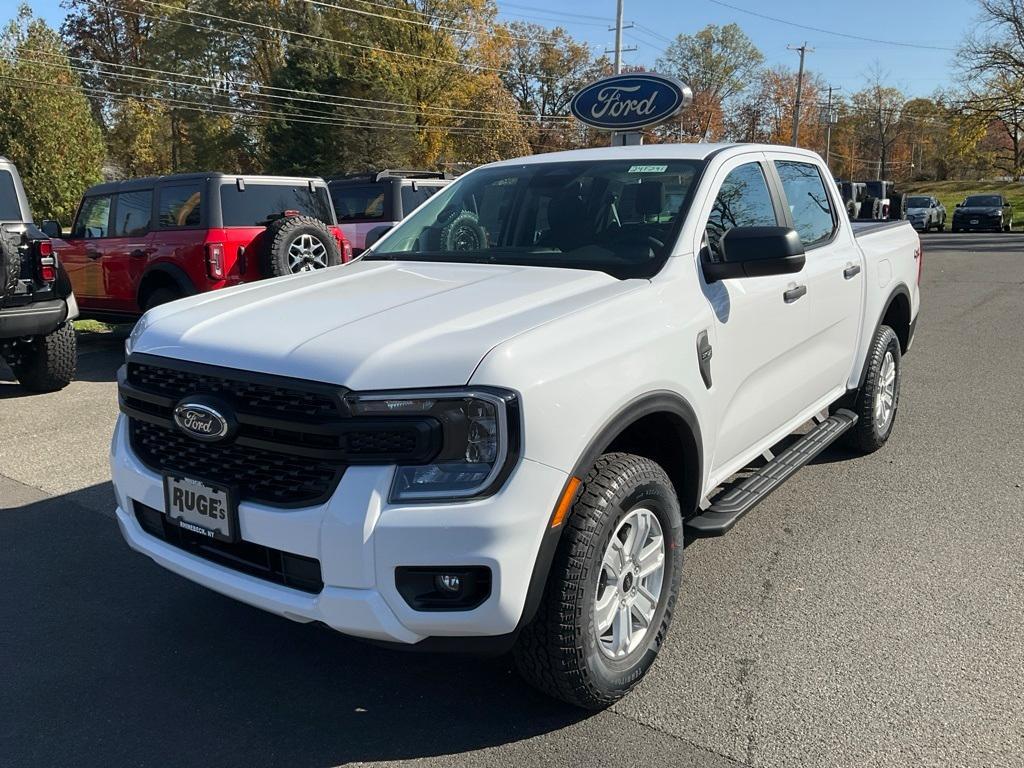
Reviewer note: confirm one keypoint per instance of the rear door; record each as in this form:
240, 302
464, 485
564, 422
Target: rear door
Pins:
833, 274
83, 252
759, 337
128, 249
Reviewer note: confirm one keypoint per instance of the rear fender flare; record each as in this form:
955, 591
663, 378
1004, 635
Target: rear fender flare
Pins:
163, 271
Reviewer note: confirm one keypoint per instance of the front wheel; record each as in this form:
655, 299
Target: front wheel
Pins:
879, 396
608, 602
46, 363
942, 225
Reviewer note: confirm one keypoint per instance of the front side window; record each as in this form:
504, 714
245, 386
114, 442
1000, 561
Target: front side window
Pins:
134, 211
360, 202
93, 218
615, 216
181, 206
809, 204
743, 201
256, 205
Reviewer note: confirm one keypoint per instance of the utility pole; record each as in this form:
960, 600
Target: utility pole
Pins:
619, 50
804, 50
829, 122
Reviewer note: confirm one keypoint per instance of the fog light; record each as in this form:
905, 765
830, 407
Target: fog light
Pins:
448, 582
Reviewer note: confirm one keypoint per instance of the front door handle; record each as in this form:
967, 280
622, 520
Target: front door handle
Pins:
141, 253
93, 254
793, 294
851, 272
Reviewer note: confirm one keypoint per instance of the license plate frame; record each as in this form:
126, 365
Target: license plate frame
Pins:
222, 527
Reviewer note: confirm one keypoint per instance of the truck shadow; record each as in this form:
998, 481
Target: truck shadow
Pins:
128, 663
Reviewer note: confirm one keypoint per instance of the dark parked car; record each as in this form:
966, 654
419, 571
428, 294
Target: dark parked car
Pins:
375, 202
139, 243
36, 302
990, 213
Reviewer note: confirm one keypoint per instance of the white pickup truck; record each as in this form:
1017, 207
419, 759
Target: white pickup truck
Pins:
496, 428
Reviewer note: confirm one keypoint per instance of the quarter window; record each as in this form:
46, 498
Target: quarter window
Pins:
809, 203
94, 218
180, 206
134, 210
743, 201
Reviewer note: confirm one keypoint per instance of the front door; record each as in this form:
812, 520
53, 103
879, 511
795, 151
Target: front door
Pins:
761, 324
83, 250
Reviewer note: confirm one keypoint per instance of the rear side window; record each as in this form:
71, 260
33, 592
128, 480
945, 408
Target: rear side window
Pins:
10, 208
414, 198
257, 204
362, 202
180, 206
93, 218
809, 203
743, 201
134, 210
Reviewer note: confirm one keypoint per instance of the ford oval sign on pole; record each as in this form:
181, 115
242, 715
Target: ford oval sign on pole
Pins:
629, 102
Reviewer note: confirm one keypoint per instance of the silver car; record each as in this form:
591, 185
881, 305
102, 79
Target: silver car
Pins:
925, 212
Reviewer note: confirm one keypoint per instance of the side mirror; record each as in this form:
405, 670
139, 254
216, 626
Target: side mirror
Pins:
757, 252
1006, 205
376, 234
51, 228
959, 205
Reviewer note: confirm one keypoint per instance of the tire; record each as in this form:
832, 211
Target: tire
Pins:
942, 225
10, 262
559, 651
464, 233
298, 244
872, 430
1009, 226
160, 296
47, 363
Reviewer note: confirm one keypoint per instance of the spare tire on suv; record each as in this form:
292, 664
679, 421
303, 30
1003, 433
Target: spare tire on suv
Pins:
298, 244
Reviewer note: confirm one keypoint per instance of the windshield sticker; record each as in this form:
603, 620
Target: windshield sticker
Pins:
648, 168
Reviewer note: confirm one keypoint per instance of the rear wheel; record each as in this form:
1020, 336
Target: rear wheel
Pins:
879, 396
46, 363
160, 296
608, 602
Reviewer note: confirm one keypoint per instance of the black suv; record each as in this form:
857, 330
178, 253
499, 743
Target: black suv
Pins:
36, 302
374, 202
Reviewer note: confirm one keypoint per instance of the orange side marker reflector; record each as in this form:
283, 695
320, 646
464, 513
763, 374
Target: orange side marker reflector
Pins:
565, 503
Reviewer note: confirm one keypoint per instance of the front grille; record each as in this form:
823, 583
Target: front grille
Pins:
292, 441
269, 477
295, 571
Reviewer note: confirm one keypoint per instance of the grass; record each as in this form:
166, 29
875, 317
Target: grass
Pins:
92, 326
950, 193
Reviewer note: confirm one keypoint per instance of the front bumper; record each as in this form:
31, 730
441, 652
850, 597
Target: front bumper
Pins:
978, 222
360, 540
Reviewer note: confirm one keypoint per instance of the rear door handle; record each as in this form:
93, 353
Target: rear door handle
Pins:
851, 272
793, 294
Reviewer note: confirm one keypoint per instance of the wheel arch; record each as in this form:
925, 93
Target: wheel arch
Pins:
673, 422
163, 275
895, 314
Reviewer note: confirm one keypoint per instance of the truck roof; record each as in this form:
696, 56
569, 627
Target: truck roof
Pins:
148, 181
695, 151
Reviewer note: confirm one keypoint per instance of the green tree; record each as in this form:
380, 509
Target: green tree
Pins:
46, 125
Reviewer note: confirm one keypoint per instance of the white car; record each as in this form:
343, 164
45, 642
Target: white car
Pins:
925, 213
492, 430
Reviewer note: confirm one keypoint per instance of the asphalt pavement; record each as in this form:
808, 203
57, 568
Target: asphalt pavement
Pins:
869, 613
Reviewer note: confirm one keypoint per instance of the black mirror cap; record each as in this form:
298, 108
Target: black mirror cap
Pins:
51, 228
376, 234
757, 252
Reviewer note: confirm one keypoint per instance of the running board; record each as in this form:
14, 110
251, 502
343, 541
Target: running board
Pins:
735, 502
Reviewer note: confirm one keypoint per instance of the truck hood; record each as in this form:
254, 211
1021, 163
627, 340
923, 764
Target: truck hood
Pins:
371, 325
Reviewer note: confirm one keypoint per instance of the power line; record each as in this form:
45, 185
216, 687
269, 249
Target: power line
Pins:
831, 32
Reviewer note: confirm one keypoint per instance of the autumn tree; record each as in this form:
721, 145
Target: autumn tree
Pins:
881, 109
46, 126
718, 63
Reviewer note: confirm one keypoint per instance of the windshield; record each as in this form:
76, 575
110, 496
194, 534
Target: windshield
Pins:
614, 216
983, 201
919, 202
256, 204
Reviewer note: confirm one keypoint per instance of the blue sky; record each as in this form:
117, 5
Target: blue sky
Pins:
841, 61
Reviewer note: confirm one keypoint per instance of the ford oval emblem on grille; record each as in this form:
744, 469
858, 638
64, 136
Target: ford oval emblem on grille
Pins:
201, 421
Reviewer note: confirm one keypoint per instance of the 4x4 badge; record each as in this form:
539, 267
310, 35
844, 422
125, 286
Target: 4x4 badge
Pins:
201, 421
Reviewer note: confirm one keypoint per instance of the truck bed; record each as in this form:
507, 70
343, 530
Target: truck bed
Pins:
870, 226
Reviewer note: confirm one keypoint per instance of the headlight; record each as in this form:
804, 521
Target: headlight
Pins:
133, 337
479, 440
